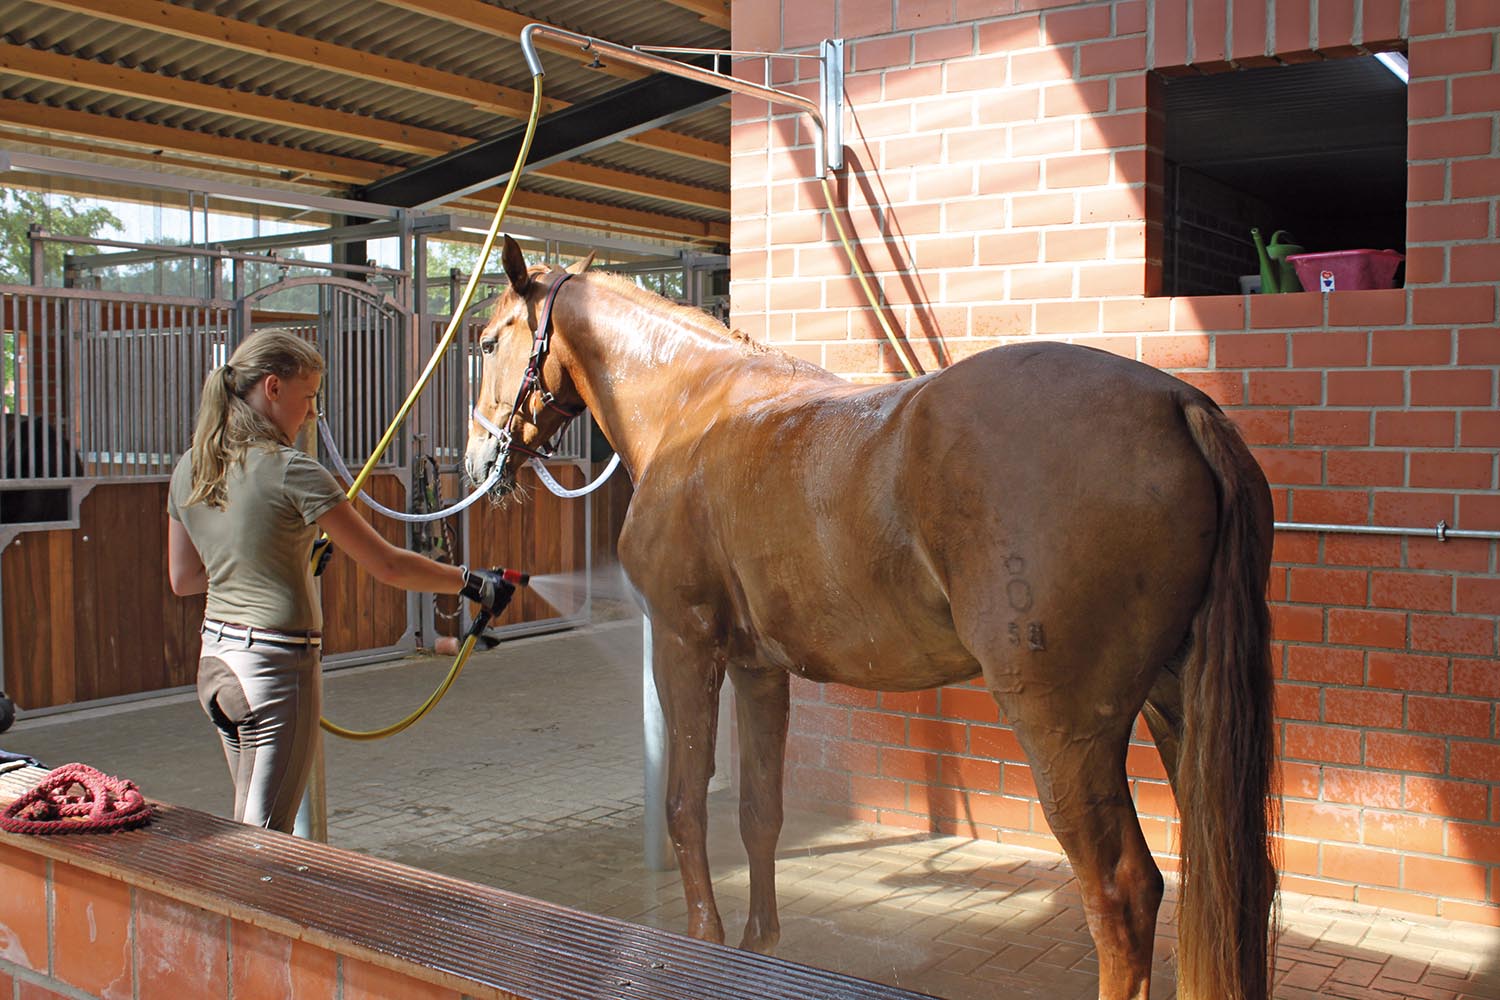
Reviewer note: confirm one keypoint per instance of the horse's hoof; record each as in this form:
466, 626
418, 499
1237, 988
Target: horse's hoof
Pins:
712, 932
761, 943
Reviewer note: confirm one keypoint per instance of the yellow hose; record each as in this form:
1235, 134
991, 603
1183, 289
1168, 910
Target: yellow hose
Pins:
864, 283
454, 323
423, 709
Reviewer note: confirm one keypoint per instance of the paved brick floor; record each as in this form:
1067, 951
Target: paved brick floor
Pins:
528, 776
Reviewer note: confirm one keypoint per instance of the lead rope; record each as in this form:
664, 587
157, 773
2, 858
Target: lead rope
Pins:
326, 436
101, 804
503, 436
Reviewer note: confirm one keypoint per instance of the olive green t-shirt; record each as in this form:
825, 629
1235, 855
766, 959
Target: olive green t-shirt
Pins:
256, 549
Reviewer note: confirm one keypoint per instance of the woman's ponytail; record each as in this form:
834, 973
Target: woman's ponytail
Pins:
228, 425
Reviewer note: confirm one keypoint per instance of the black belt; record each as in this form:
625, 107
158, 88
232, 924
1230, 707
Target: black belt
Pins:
251, 634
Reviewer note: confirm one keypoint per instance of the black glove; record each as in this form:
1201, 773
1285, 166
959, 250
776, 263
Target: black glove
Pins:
488, 589
322, 551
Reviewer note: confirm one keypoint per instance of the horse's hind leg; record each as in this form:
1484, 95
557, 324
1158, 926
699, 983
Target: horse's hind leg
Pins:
1081, 781
688, 679
762, 704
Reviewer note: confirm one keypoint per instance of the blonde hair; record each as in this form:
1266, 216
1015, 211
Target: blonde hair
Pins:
228, 426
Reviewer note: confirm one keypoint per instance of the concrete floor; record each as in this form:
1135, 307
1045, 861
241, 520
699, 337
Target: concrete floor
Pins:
529, 777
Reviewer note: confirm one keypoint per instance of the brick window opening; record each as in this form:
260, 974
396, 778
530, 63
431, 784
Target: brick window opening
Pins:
1316, 149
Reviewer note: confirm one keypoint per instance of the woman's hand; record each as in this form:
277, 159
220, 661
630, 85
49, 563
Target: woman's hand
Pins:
489, 589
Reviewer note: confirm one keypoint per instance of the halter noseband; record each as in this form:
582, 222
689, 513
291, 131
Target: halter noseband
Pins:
541, 342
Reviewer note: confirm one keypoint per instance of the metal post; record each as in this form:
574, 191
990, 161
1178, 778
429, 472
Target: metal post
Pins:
659, 855
37, 235
831, 102
312, 815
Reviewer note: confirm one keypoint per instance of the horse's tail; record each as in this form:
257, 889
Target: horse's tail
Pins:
1226, 781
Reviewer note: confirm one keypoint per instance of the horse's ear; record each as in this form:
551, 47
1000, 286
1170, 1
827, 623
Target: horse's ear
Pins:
579, 266
515, 266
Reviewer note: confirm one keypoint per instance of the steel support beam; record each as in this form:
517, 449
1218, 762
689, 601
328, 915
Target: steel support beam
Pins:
623, 112
160, 181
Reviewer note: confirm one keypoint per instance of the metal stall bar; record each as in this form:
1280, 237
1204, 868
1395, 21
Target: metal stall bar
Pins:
100, 260
1440, 531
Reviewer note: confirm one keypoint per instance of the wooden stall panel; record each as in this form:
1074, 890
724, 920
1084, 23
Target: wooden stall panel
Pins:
540, 534
89, 612
360, 612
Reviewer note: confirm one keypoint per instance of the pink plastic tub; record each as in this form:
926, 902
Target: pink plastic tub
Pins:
1344, 270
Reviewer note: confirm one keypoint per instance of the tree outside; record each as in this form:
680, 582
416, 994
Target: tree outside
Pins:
64, 216
67, 217
446, 256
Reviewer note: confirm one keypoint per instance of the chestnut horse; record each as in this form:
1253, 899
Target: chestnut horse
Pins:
1089, 534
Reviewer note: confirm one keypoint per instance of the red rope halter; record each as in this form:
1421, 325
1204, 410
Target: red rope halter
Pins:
75, 798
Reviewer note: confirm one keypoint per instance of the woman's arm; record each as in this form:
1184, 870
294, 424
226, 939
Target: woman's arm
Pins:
388, 563
185, 568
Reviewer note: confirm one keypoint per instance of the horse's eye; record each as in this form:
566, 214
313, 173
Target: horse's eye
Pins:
488, 345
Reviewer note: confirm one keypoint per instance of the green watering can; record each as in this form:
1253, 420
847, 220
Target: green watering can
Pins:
1276, 272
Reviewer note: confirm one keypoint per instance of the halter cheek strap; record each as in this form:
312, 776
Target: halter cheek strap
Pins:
540, 345
542, 339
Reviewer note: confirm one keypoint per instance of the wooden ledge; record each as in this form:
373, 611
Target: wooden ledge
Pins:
482, 941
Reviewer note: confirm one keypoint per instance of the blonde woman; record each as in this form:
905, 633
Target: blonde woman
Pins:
245, 506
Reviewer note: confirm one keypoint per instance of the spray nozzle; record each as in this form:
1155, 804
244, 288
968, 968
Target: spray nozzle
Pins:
515, 577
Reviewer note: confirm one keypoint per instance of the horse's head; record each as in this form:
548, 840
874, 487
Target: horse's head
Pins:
524, 392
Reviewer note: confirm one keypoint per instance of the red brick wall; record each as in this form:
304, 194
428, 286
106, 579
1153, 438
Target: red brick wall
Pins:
1002, 186
68, 932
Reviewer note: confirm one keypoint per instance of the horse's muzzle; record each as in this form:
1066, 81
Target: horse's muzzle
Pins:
479, 463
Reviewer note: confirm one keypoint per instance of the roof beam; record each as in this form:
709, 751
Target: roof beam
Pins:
305, 167
632, 108
479, 16
241, 36
94, 146
34, 64
575, 212
638, 184
662, 141
164, 181
608, 218
296, 162
149, 142
714, 12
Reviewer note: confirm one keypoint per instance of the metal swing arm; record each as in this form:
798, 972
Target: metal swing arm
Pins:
827, 115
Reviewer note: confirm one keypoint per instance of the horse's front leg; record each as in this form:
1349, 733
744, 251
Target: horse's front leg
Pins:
688, 677
761, 706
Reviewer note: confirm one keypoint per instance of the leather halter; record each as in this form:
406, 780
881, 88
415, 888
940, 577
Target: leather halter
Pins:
541, 342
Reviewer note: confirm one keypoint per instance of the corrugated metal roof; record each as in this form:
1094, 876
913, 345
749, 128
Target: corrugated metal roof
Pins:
138, 77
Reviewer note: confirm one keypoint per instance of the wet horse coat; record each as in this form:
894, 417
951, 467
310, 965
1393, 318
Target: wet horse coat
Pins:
1088, 534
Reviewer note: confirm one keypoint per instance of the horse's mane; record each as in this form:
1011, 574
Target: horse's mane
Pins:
689, 316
